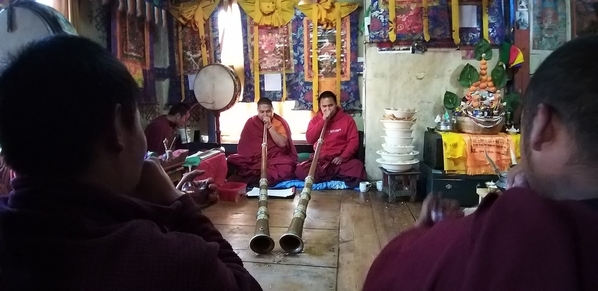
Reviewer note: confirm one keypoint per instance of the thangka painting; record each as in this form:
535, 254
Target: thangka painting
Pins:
190, 47
327, 57
409, 22
187, 55
549, 24
132, 43
585, 17
133, 40
297, 85
137, 73
275, 52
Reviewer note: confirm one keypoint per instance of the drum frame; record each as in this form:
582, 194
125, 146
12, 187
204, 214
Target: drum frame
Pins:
231, 103
50, 20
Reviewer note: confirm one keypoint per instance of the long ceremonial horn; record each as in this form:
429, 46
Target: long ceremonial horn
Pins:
261, 242
291, 241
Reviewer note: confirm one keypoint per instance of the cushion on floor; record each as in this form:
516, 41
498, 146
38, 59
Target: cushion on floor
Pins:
329, 185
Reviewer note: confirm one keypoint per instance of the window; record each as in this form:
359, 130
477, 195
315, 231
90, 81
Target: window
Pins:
233, 120
232, 54
46, 2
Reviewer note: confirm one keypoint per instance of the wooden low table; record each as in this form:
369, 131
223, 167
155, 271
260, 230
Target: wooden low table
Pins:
400, 184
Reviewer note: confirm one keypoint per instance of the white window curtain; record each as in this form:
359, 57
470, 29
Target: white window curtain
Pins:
231, 37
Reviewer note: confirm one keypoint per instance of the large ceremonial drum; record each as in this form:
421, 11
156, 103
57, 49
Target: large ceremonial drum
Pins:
25, 21
217, 87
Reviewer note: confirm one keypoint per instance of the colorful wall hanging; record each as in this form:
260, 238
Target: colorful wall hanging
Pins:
549, 24
297, 85
195, 15
327, 14
435, 21
327, 53
132, 43
268, 21
188, 54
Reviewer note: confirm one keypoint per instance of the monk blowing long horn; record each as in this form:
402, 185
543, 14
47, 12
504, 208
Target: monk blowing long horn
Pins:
291, 242
261, 242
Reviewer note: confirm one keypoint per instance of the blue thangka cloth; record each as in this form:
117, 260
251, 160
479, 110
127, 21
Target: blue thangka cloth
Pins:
330, 185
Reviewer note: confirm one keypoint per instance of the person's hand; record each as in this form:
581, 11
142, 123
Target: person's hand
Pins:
516, 178
154, 184
326, 114
266, 120
198, 189
337, 161
435, 208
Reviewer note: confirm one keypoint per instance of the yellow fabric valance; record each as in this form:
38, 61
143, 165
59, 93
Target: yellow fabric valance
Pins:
196, 14
269, 12
328, 14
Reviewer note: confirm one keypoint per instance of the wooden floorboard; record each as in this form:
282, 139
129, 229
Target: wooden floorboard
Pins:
359, 244
343, 233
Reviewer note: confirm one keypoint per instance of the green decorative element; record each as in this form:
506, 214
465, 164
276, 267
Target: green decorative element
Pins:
505, 52
451, 100
483, 50
468, 76
499, 75
512, 101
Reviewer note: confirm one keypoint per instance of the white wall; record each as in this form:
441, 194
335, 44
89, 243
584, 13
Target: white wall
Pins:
408, 81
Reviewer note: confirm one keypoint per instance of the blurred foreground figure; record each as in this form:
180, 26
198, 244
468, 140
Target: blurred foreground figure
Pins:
87, 212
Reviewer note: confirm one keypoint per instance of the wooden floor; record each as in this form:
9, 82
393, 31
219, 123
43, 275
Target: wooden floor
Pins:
343, 233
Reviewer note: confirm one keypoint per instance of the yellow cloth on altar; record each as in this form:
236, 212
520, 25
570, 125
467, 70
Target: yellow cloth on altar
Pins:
269, 12
464, 153
326, 15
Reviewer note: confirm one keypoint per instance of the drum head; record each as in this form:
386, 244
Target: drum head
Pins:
216, 87
30, 21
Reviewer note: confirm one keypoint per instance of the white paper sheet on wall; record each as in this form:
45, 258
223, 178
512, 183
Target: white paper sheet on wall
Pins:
468, 16
191, 80
272, 82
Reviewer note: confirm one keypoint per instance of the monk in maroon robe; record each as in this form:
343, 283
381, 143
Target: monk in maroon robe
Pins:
341, 142
542, 233
282, 155
164, 127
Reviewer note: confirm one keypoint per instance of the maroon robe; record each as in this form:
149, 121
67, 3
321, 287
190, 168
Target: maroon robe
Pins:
156, 131
341, 139
281, 161
518, 241
67, 236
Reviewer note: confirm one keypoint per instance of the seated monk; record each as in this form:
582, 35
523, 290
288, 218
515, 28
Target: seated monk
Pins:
542, 232
282, 155
341, 142
165, 127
